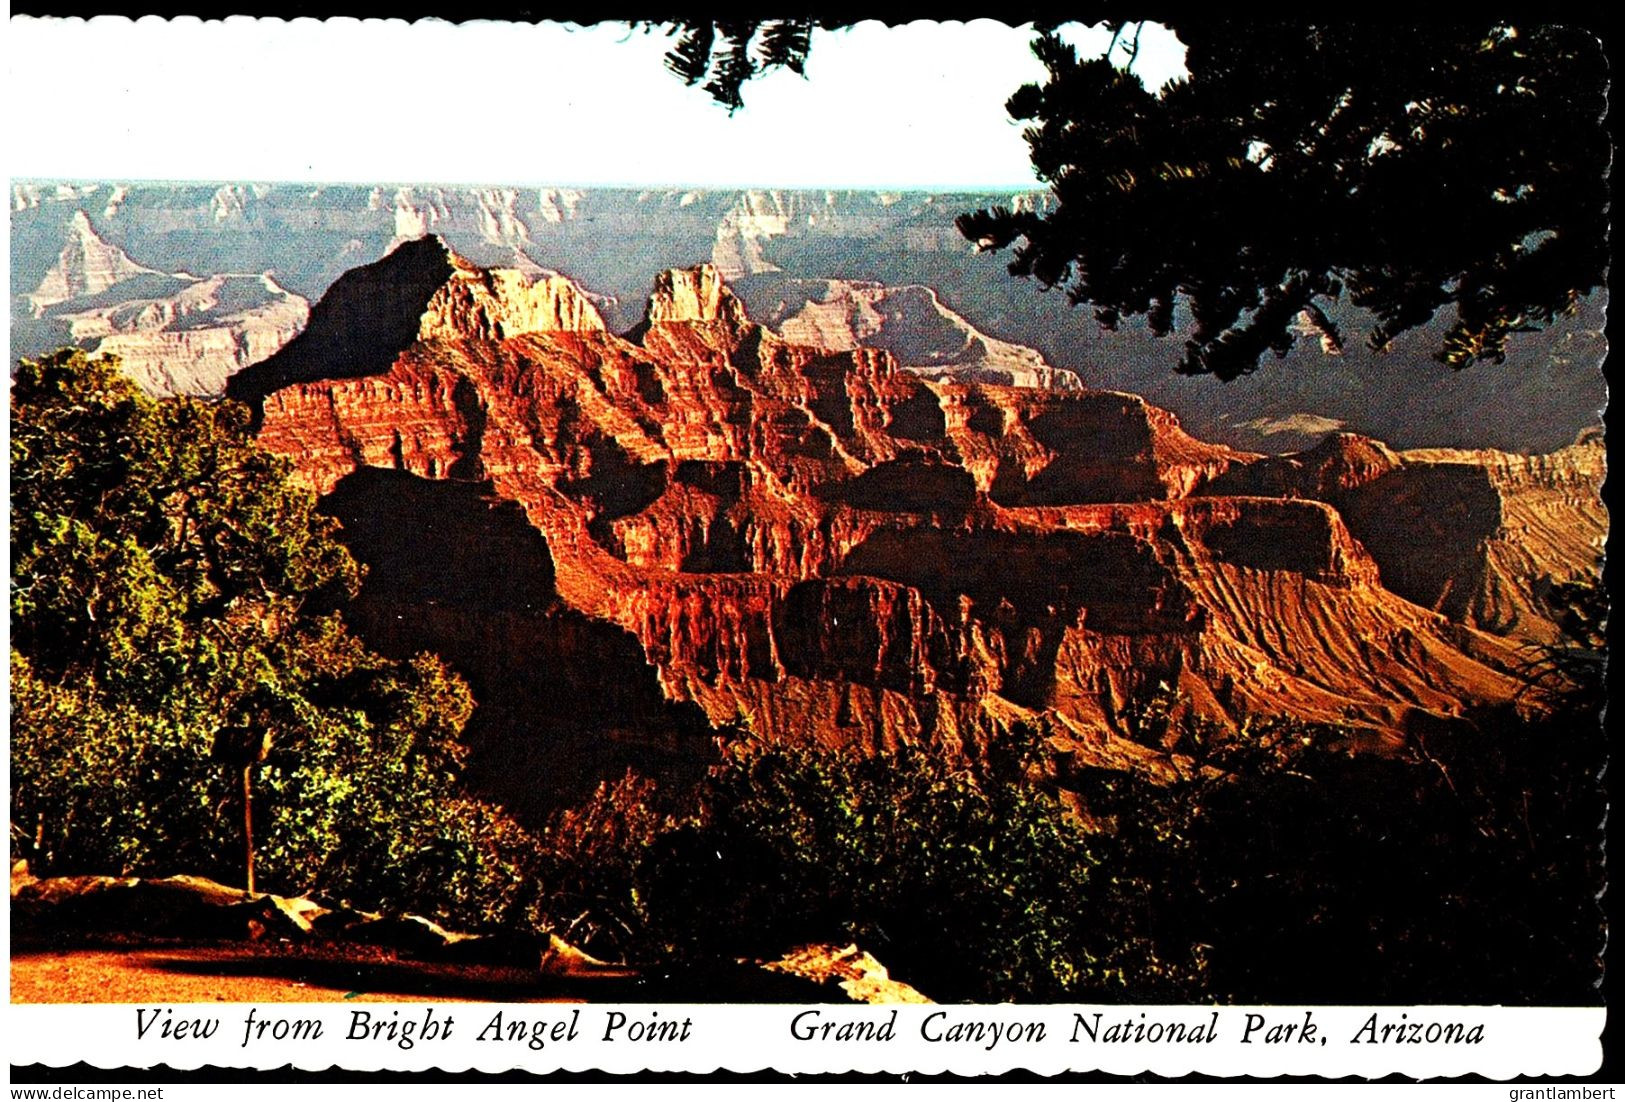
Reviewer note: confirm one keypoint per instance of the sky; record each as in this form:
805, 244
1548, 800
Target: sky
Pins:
918, 106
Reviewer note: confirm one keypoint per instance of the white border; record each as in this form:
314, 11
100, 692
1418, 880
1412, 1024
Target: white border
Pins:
1044, 1039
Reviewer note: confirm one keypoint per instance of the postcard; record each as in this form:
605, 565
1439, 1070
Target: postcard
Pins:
762, 546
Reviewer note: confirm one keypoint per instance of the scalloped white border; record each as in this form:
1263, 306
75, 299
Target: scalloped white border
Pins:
1516, 1041
359, 101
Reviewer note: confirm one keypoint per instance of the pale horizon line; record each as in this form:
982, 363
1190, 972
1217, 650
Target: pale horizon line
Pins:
911, 188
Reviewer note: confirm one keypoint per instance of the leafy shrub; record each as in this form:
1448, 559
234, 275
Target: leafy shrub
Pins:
588, 861
1462, 868
970, 887
172, 623
107, 788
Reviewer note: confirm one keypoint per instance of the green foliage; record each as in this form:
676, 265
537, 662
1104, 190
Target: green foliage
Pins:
152, 540
971, 888
1460, 165
105, 787
1463, 867
1408, 168
589, 861
171, 618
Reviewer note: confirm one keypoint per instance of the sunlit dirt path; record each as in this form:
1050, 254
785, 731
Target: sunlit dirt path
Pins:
259, 974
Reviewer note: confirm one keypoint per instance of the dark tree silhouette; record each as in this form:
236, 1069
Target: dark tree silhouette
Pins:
1408, 168
724, 54
1405, 169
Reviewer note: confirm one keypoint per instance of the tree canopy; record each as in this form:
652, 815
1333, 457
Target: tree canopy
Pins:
1410, 169
174, 599
1404, 169
153, 541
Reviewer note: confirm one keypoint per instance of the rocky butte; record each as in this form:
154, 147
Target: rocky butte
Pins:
174, 333
911, 322
815, 244
631, 543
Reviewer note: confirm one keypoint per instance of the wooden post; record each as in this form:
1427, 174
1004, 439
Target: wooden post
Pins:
248, 827
242, 741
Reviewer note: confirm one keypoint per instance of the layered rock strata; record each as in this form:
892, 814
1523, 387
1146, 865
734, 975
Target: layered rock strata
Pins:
191, 342
420, 292
724, 530
87, 266
911, 322
173, 333
1481, 536
1549, 389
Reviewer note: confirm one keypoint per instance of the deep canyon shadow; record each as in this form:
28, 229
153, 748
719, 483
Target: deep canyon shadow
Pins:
562, 701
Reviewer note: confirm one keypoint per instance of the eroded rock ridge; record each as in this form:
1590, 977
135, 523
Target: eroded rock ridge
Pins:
702, 526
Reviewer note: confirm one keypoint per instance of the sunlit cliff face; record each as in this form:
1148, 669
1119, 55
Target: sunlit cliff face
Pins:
716, 526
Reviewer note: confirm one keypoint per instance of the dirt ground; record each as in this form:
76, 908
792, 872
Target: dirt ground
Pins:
259, 973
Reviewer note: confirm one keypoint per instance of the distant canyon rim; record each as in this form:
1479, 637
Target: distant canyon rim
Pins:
648, 466
191, 282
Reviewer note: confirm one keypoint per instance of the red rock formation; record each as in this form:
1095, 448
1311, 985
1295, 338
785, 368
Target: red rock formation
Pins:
421, 291
821, 546
564, 699
1477, 535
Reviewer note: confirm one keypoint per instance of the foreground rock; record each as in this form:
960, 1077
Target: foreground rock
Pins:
68, 908
863, 978
59, 913
188, 907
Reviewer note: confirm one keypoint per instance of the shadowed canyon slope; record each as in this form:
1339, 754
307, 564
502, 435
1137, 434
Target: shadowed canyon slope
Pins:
627, 543
1479, 535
